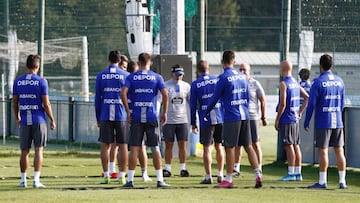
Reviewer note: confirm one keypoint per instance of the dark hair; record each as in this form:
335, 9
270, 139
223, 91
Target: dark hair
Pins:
144, 58
228, 57
304, 74
32, 61
131, 66
326, 62
115, 56
202, 66
123, 59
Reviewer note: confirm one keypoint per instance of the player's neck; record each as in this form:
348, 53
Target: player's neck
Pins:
144, 67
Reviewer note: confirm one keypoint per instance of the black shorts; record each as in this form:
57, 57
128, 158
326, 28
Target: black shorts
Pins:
325, 138
36, 133
236, 134
290, 134
139, 130
181, 131
254, 127
210, 134
113, 132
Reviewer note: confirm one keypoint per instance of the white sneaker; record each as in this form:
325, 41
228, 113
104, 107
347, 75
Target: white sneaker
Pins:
146, 179
38, 185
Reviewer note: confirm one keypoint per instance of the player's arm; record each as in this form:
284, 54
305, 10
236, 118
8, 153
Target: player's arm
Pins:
261, 95
48, 110
304, 95
282, 104
165, 104
311, 104
16, 109
193, 105
97, 100
215, 98
124, 99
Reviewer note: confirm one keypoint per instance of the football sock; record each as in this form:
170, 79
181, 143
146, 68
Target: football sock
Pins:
322, 178
208, 176
260, 167
131, 174
106, 173
182, 166
291, 170
37, 176
228, 178
159, 175
257, 173
221, 173
122, 174
168, 167
112, 168
144, 172
342, 175
297, 169
237, 167
23, 177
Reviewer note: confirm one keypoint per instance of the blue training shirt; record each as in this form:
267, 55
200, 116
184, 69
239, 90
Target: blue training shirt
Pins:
291, 113
201, 91
306, 85
143, 89
108, 104
327, 98
233, 90
29, 88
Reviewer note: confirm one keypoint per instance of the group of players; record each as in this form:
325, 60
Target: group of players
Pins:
229, 108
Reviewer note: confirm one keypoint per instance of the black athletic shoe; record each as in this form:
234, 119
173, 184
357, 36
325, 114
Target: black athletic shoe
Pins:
235, 173
166, 173
220, 179
206, 181
258, 183
162, 184
128, 184
184, 173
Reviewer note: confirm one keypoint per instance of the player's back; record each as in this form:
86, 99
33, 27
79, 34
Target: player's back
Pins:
29, 88
179, 93
143, 89
291, 113
203, 89
331, 92
108, 90
235, 95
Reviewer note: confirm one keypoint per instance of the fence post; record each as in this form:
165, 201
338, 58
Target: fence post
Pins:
71, 119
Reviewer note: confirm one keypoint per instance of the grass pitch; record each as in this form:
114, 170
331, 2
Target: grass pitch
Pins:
71, 174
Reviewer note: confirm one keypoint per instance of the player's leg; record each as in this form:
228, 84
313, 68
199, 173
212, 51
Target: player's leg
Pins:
298, 162
40, 135
217, 135
182, 134
206, 140
143, 159
337, 141
112, 160
238, 156
231, 133
106, 138
121, 138
25, 146
137, 131
153, 140
322, 140
286, 133
255, 136
169, 137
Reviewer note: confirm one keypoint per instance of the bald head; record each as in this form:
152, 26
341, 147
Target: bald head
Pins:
245, 68
285, 68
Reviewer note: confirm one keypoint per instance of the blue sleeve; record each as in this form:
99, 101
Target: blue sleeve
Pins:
215, 98
128, 81
44, 87
343, 97
161, 83
98, 98
15, 90
311, 104
193, 104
